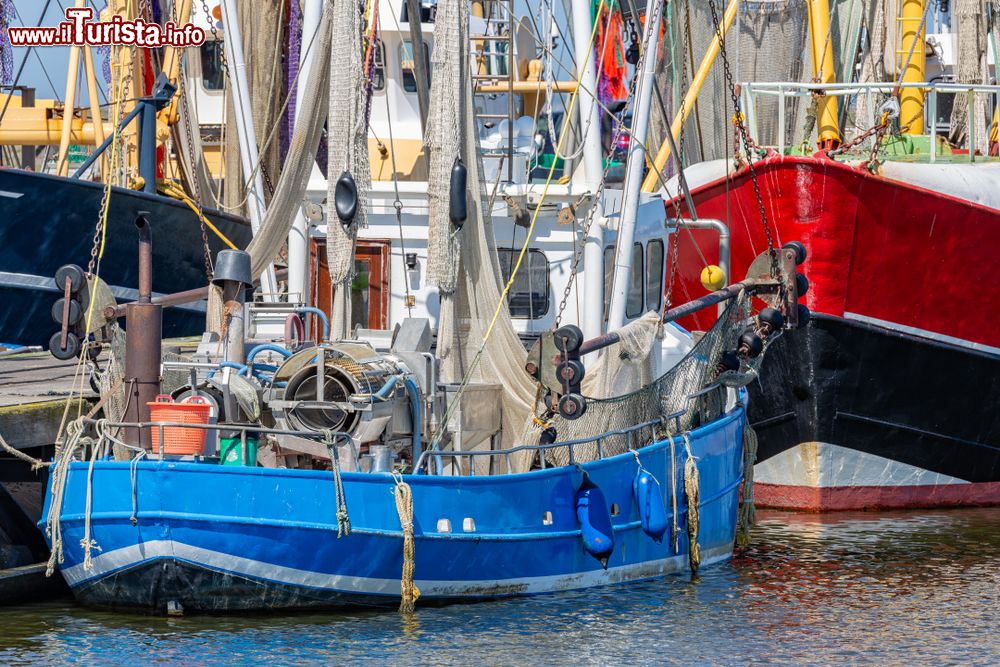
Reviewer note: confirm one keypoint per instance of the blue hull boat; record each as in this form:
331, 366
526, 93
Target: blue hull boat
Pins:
197, 536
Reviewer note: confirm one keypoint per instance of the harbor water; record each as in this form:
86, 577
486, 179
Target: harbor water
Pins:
892, 588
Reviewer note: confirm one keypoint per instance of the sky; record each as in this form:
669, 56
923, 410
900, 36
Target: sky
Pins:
47, 66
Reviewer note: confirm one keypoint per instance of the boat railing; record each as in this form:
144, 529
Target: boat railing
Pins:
333, 439
329, 438
786, 89
506, 455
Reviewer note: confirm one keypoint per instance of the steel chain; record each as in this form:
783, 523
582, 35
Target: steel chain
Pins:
745, 136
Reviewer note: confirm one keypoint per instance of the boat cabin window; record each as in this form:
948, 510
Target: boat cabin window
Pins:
529, 295
379, 66
654, 275
213, 74
407, 65
634, 301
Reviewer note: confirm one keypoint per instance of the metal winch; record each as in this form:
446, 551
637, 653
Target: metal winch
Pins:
362, 392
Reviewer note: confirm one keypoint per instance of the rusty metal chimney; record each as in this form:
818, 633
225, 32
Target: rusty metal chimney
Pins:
143, 335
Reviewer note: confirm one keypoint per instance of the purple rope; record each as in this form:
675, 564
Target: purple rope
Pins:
104, 54
7, 14
292, 70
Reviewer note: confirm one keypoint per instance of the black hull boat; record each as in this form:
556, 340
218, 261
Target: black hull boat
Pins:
47, 221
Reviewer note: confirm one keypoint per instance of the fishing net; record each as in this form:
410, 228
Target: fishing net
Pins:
676, 392
347, 140
766, 43
971, 67
291, 186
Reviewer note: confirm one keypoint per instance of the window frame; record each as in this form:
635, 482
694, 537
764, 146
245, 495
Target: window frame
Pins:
657, 289
506, 266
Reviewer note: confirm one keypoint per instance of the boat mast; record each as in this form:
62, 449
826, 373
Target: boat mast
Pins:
591, 171
912, 61
821, 42
249, 157
634, 170
298, 236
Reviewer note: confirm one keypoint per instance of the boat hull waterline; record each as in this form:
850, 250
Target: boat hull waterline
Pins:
214, 538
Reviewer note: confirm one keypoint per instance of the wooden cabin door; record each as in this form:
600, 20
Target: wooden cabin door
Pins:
369, 289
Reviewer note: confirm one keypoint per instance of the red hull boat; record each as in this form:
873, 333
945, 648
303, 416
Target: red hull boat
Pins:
890, 401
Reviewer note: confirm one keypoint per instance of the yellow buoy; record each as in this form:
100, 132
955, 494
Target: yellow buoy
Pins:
713, 278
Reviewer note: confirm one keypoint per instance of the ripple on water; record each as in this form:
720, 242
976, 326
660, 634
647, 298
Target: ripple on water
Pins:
898, 588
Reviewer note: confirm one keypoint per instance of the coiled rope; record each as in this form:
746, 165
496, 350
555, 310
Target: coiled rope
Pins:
747, 517
404, 507
692, 489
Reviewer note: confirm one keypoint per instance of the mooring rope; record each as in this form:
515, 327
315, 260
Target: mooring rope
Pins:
89, 543
343, 518
60, 472
404, 507
692, 489
674, 528
748, 514
17, 453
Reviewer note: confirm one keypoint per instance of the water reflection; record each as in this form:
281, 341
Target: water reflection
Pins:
861, 588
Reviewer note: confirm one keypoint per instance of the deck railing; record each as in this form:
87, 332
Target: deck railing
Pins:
786, 89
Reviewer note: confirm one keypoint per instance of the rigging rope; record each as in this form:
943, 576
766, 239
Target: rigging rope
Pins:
747, 516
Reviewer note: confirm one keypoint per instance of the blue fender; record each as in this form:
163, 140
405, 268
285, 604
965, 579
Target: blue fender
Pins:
595, 522
652, 513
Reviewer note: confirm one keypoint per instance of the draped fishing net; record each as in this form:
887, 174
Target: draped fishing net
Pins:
768, 42
291, 186
347, 142
676, 392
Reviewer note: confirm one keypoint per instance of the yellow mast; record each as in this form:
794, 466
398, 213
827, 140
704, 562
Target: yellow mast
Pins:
912, 59
820, 41
663, 154
69, 104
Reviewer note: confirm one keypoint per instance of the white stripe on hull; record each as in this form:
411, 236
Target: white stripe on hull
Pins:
126, 557
923, 333
820, 464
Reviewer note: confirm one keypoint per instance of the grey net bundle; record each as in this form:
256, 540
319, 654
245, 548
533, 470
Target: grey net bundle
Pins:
673, 393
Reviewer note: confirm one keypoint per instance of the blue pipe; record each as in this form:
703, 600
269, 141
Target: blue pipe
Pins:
390, 384
267, 347
229, 364
414, 392
322, 316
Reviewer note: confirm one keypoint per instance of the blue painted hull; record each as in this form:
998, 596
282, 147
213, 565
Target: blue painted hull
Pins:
216, 538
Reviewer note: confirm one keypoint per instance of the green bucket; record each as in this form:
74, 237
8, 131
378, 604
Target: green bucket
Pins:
231, 451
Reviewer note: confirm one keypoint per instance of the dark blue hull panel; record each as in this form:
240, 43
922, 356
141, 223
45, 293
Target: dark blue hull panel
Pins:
47, 221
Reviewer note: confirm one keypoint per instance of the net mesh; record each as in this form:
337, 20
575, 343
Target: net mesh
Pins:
347, 140
291, 186
670, 394
971, 67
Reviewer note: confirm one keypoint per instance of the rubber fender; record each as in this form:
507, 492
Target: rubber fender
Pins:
652, 513
345, 198
458, 208
595, 522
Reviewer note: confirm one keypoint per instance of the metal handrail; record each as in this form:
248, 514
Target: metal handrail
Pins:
506, 453
786, 89
330, 438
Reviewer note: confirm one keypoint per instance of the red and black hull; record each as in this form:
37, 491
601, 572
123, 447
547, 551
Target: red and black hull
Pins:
900, 365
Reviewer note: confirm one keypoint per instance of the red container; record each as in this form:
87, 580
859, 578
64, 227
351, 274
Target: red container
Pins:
178, 440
